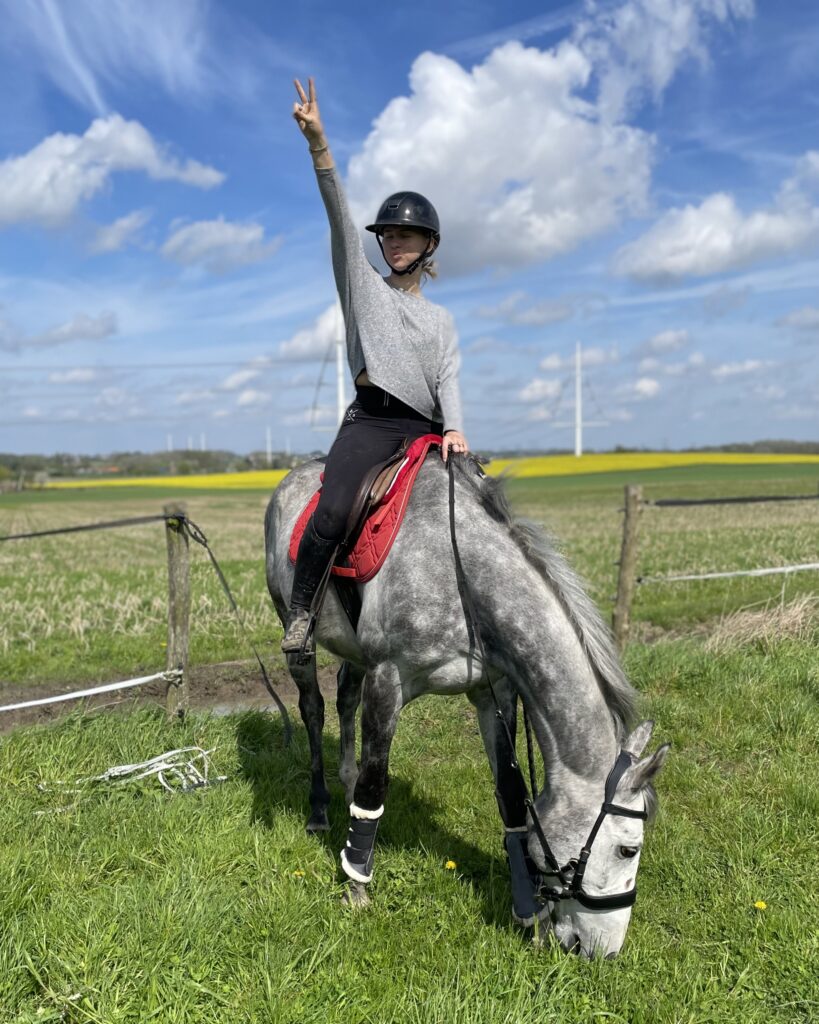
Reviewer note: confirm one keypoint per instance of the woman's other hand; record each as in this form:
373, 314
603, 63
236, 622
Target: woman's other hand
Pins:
455, 442
307, 114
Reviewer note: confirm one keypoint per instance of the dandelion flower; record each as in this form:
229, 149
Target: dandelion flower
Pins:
298, 874
450, 865
761, 905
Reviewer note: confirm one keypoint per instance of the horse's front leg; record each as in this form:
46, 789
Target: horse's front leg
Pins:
510, 793
348, 698
379, 718
311, 706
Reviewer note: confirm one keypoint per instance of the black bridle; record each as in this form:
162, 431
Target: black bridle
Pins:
570, 875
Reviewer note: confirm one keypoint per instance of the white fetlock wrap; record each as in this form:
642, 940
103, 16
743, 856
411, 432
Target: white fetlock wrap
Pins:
364, 815
518, 828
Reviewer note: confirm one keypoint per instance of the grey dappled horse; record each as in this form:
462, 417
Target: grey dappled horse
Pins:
544, 640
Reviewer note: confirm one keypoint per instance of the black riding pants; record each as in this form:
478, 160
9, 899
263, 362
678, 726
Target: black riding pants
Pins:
374, 427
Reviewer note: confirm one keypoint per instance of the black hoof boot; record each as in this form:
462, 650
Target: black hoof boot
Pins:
359, 850
527, 907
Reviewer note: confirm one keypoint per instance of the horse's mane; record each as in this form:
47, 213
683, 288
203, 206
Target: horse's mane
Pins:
539, 550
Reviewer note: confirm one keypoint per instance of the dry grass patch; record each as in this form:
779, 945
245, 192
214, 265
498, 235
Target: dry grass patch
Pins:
765, 627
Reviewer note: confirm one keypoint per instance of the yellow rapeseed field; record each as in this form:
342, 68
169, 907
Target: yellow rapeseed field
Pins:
542, 465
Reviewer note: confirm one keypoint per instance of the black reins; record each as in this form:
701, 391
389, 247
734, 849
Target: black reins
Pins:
570, 875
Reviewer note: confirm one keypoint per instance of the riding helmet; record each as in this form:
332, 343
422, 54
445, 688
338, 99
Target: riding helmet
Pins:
408, 210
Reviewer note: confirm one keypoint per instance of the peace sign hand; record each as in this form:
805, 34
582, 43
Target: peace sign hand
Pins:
307, 114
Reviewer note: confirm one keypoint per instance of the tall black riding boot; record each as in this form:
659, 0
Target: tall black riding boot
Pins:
314, 557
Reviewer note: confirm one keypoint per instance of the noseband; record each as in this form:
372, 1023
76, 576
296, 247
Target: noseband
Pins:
570, 876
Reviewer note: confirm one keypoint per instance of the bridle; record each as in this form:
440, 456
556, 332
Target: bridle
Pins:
570, 875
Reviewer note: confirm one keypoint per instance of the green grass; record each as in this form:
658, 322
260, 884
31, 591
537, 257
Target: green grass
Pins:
128, 905
132, 904
92, 606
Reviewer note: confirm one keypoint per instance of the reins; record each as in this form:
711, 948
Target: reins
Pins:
570, 875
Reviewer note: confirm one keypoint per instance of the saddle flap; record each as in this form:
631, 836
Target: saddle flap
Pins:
372, 489
380, 504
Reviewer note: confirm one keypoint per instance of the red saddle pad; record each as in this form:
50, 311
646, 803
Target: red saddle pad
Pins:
382, 524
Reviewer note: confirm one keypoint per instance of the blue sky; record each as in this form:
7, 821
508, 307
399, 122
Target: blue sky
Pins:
641, 177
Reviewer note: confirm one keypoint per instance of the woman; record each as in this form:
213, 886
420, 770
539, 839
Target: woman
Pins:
402, 350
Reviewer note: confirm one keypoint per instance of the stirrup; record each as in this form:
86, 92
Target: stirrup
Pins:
299, 636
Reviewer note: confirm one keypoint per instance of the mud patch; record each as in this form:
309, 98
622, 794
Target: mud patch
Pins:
226, 688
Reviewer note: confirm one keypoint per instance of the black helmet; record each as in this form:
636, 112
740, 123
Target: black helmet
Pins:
409, 210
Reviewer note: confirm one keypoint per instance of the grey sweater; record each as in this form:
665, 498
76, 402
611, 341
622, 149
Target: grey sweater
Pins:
407, 344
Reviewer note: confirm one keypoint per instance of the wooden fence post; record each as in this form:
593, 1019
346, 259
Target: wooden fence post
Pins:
179, 610
628, 565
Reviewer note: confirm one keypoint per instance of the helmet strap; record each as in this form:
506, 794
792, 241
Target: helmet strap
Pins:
425, 255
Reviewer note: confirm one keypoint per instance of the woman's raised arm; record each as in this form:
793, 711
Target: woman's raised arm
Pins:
308, 119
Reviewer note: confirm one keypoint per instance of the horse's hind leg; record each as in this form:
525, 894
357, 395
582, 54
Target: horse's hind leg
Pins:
311, 706
350, 678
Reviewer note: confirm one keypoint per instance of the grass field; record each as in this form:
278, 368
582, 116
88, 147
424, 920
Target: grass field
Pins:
93, 606
132, 904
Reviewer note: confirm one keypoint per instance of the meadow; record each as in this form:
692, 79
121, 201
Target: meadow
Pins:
132, 904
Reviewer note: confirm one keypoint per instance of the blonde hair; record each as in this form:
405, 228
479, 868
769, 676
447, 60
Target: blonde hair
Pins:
429, 270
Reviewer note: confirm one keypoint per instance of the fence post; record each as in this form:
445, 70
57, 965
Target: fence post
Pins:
179, 609
628, 565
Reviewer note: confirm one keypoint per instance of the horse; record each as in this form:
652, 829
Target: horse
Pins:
543, 641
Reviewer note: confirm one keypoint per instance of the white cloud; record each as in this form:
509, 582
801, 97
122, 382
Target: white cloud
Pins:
638, 46
193, 396
81, 327
314, 342
667, 341
544, 173
769, 392
219, 245
111, 237
238, 379
189, 48
591, 356
510, 311
540, 389
521, 159
805, 319
251, 397
47, 184
717, 236
78, 376
646, 387
742, 368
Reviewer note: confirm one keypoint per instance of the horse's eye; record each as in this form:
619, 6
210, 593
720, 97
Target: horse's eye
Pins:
628, 851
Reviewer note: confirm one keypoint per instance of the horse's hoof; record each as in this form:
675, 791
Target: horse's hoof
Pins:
355, 895
317, 823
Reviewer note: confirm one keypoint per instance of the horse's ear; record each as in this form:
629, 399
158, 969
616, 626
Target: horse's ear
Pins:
638, 740
641, 774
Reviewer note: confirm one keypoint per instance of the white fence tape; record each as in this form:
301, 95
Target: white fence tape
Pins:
170, 677
724, 575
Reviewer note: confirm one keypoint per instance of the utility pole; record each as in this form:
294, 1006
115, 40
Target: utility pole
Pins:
202, 442
578, 401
